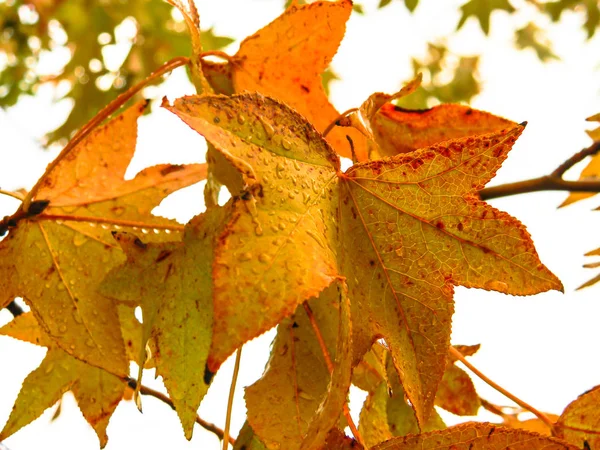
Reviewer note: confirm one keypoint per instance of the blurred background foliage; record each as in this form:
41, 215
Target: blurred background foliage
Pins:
88, 36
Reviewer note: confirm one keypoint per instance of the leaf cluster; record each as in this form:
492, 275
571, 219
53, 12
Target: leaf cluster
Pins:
355, 268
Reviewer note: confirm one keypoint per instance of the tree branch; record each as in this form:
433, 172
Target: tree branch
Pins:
552, 182
144, 390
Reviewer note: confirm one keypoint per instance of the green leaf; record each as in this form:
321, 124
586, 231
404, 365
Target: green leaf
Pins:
482, 10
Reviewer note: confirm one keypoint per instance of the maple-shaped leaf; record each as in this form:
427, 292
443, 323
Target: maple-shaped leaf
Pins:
398, 130
173, 283
592, 9
580, 421
476, 436
96, 391
285, 60
55, 258
591, 172
531, 36
482, 10
297, 401
402, 230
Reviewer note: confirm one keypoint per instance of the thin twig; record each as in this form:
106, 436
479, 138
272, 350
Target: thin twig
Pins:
218, 54
577, 157
540, 415
321, 341
12, 194
144, 390
236, 370
98, 118
552, 182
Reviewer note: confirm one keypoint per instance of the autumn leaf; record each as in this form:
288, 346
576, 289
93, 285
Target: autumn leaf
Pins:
475, 436
399, 130
402, 231
96, 391
285, 60
482, 10
580, 421
172, 281
56, 258
297, 401
247, 440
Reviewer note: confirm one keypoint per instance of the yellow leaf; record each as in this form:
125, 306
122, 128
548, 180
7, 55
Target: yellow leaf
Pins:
402, 230
580, 421
97, 392
297, 402
173, 282
55, 259
475, 436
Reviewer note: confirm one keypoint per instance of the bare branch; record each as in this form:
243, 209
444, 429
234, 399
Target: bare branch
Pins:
552, 182
144, 390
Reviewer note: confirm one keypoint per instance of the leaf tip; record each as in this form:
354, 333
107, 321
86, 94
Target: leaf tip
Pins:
523, 124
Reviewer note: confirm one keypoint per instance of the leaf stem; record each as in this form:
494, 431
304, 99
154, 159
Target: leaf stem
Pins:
321, 341
14, 308
552, 182
100, 117
540, 415
236, 370
12, 194
337, 120
218, 54
144, 390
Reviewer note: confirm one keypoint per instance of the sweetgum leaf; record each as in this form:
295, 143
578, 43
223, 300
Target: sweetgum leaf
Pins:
475, 436
276, 246
96, 391
285, 60
297, 401
402, 230
172, 280
580, 421
399, 130
56, 259
457, 394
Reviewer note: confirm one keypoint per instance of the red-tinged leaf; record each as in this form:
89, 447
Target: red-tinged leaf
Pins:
399, 130
476, 436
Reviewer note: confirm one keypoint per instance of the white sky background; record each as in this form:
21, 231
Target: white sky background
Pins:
542, 348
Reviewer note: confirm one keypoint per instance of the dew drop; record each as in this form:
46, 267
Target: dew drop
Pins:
62, 329
144, 230
241, 119
104, 226
49, 368
79, 239
287, 145
246, 256
399, 251
264, 258
77, 318
156, 231
89, 342
281, 226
